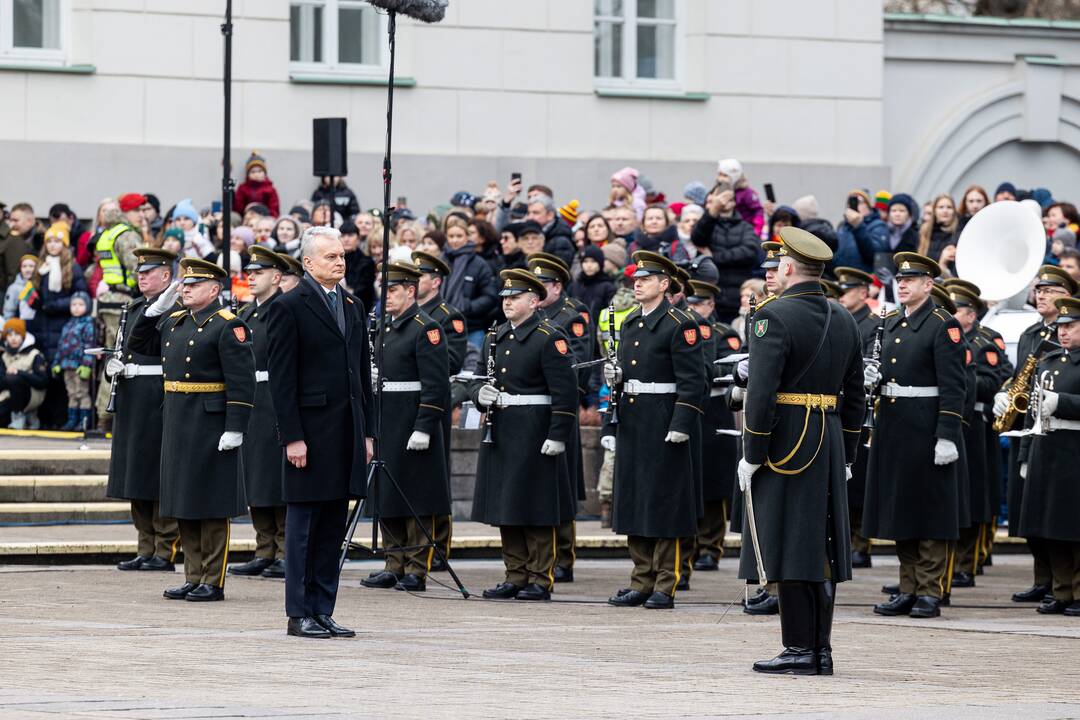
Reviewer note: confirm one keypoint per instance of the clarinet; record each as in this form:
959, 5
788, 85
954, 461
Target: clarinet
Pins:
489, 416
373, 338
118, 353
612, 358
875, 357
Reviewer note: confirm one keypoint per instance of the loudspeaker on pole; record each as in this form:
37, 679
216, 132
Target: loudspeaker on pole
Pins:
329, 153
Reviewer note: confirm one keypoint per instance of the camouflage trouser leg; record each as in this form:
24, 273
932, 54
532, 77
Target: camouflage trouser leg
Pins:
607, 477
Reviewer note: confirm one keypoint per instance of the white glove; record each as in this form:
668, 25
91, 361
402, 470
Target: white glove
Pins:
487, 396
871, 375
1001, 403
418, 441
945, 452
738, 394
674, 436
746, 471
612, 374
165, 301
1023, 470
374, 376
230, 440
1049, 403
847, 473
114, 367
608, 442
553, 447
743, 368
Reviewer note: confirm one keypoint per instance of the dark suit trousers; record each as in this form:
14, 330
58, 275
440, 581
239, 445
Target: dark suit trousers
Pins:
314, 532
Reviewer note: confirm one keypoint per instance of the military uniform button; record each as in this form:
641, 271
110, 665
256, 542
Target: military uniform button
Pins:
507, 352
633, 362
129, 354
190, 342
511, 336
897, 340
636, 343
631, 401
892, 400
200, 330
187, 375
166, 345
903, 324
187, 359
641, 324
894, 361
504, 370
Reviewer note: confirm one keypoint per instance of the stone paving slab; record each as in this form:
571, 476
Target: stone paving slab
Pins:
91, 642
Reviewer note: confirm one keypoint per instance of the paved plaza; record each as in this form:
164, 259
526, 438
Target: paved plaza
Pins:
92, 642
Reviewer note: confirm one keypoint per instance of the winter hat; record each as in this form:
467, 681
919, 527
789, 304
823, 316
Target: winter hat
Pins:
569, 212
732, 168
863, 194
908, 202
301, 212
627, 177
131, 201
80, 295
593, 253
28, 256
185, 208
646, 184
695, 192
1066, 236
615, 253
256, 160
678, 207
244, 233
175, 233
881, 200
60, 231
15, 325
1043, 196
462, 198
806, 206
152, 199
1005, 187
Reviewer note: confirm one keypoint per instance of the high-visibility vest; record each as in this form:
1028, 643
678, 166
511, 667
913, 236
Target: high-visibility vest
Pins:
112, 270
603, 329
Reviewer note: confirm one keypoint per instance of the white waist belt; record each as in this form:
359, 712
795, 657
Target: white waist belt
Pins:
981, 407
134, 370
1059, 424
637, 387
908, 391
506, 400
403, 386
262, 376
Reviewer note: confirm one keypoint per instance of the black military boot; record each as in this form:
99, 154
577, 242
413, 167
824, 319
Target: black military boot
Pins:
899, 604
824, 601
1035, 593
963, 579
797, 629
706, 563
158, 564
383, 579
135, 563
767, 605
859, 559
255, 566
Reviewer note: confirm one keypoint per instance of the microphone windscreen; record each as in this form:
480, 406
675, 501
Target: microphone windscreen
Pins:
429, 11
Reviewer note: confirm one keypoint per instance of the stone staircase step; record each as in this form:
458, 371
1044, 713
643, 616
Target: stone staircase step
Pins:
52, 488
54, 462
65, 512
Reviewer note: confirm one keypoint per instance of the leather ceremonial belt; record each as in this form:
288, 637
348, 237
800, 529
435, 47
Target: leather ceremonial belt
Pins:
135, 370
808, 400
401, 386
178, 386
1060, 424
812, 402
262, 376
892, 390
507, 400
637, 387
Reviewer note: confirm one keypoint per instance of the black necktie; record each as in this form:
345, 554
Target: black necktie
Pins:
332, 297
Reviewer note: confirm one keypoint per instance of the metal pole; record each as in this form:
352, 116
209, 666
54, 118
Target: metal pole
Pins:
226, 161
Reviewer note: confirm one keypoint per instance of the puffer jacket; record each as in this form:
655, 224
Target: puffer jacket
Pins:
734, 247
856, 246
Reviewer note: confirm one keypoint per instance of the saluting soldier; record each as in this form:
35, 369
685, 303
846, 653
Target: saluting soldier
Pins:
293, 274
261, 449
1051, 284
414, 393
660, 377
719, 451
135, 461
804, 409
524, 482
854, 287
912, 483
209, 378
429, 296
565, 314
1051, 494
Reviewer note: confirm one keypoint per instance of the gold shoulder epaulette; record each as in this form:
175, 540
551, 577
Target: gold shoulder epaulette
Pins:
766, 301
416, 317
545, 328
942, 315
226, 314
442, 306
892, 313
178, 313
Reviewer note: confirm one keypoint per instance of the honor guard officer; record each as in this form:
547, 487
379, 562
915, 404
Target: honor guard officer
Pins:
1051, 494
261, 450
831, 289
524, 484
772, 261
804, 409
854, 290
135, 462
659, 376
294, 272
209, 378
1052, 284
573, 320
719, 447
414, 393
429, 297
912, 484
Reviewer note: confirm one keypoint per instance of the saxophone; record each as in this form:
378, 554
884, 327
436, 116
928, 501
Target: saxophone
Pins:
1019, 394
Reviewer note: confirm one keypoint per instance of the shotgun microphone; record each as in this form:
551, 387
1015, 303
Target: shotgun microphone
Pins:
429, 11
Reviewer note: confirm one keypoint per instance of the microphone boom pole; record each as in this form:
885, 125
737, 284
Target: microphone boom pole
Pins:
226, 161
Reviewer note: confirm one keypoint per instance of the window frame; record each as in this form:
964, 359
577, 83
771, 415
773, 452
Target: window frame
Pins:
41, 57
630, 23
330, 47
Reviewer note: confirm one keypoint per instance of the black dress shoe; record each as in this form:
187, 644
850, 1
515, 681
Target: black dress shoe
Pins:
133, 564
963, 579
660, 601
438, 565
156, 563
792, 661
564, 574
384, 579
251, 567
768, 606
307, 627
1052, 607
899, 604
533, 591
1073, 610
926, 607
706, 563
628, 598
275, 570
206, 593
179, 593
891, 589
1035, 593
988, 562
860, 559
683, 584
502, 591
758, 596
332, 627
411, 583
946, 600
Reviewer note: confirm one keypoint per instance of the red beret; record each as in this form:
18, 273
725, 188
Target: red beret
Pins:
131, 201
630, 270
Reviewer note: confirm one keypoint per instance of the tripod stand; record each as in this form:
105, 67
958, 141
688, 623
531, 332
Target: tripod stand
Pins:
378, 469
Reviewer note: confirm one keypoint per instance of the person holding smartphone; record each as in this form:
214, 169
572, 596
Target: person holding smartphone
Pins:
861, 234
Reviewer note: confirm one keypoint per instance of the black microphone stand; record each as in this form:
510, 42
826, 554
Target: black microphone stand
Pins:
377, 469
226, 162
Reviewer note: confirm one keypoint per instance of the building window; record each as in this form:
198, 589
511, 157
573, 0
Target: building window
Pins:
336, 36
634, 42
33, 31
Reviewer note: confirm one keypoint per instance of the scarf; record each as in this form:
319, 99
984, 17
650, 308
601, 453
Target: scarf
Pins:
51, 268
895, 233
459, 261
